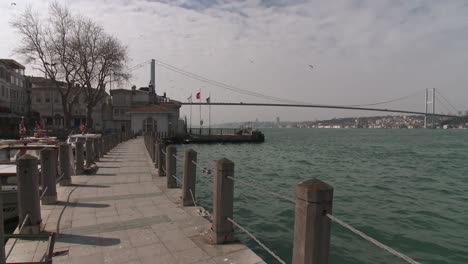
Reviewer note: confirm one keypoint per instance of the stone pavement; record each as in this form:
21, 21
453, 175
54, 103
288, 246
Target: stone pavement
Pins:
124, 214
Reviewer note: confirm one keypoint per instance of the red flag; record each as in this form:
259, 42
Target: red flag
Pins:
198, 95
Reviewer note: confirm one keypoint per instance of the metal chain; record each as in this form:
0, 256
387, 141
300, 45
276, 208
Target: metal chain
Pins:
256, 240
16, 239
373, 241
251, 185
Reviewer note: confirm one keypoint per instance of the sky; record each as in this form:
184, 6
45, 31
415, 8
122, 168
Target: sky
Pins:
361, 52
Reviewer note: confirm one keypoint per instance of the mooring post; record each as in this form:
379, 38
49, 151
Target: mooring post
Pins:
156, 151
96, 149
171, 166
312, 227
2, 234
49, 176
89, 152
79, 158
65, 170
161, 162
28, 194
223, 199
190, 174
101, 147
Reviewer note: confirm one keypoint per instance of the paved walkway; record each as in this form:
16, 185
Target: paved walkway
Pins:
124, 214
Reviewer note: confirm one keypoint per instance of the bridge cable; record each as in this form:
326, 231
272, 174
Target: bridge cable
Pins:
390, 101
221, 85
443, 97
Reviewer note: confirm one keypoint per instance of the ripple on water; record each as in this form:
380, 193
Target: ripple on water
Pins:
406, 188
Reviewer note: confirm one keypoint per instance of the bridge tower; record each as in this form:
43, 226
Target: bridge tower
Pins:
428, 103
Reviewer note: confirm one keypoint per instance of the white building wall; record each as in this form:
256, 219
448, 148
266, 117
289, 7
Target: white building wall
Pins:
160, 118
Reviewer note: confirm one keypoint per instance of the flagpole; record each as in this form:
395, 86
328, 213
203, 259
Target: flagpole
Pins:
190, 115
199, 100
209, 115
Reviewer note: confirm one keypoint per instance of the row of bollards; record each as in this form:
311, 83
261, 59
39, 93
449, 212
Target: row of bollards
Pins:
51, 173
314, 198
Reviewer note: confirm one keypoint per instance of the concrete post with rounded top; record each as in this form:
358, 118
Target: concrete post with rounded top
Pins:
89, 152
49, 176
28, 194
190, 174
155, 154
171, 166
96, 149
79, 158
2, 233
161, 162
223, 199
64, 158
311, 225
101, 147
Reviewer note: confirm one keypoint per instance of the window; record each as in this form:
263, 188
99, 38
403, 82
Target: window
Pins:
3, 91
38, 98
2, 73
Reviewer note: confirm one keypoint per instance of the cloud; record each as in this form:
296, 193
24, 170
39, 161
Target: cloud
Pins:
362, 50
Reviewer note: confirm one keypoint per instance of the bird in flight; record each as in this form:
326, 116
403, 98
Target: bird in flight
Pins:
311, 66
13, 4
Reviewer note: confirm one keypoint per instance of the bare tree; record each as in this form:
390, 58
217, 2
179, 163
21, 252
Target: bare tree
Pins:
71, 50
101, 57
46, 46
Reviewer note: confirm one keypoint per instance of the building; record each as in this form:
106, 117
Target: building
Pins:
134, 110
13, 87
14, 97
46, 104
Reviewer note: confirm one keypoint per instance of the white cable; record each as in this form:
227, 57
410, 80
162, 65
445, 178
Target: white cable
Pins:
204, 170
373, 241
256, 240
43, 192
176, 179
175, 156
261, 189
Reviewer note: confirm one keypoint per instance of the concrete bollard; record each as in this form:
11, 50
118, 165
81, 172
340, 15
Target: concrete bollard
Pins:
223, 199
28, 194
2, 233
190, 174
171, 166
96, 149
89, 152
101, 147
155, 153
65, 177
161, 160
79, 158
311, 225
49, 176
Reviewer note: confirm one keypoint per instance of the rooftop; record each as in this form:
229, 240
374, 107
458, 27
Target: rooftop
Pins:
12, 63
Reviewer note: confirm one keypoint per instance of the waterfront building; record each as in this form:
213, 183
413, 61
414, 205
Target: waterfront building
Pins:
14, 96
46, 104
135, 110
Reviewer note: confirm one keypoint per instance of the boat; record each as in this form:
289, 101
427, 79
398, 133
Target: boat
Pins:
10, 151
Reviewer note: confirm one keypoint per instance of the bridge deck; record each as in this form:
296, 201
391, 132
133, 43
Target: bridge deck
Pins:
124, 214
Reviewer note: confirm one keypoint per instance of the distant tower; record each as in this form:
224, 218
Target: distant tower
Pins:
277, 120
152, 88
429, 102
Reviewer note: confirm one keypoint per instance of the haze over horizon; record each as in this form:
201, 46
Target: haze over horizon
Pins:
361, 52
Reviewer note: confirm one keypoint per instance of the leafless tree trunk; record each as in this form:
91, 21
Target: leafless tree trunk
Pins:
46, 45
101, 58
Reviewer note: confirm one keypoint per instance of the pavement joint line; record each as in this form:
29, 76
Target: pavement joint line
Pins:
116, 226
117, 197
